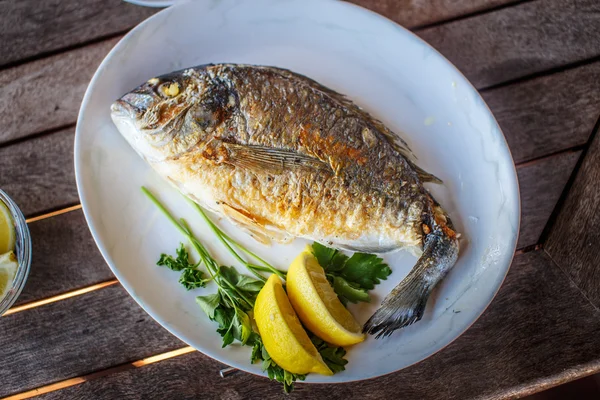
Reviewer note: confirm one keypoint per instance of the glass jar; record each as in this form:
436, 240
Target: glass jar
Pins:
22, 251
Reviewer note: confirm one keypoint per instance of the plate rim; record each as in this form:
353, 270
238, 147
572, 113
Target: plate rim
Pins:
152, 3
79, 165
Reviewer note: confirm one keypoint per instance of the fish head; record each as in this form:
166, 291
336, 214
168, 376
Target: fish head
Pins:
167, 115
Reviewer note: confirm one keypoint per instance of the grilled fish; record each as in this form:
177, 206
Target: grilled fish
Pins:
283, 156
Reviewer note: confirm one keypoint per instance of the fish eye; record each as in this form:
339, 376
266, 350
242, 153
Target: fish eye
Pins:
169, 89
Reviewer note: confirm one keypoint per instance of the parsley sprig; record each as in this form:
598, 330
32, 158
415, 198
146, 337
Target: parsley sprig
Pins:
234, 300
351, 277
231, 306
274, 371
332, 355
191, 277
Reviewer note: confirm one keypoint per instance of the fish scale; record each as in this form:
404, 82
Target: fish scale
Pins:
283, 156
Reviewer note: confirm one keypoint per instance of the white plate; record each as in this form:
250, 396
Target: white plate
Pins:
152, 3
382, 67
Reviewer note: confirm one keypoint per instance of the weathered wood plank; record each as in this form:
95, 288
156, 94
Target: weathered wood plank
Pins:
25, 33
512, 348
76, 336
66, 258
30, 27
541, 185
548, 114
538, 117
38, 174
416, 13
520, 40
537, 332
46, 94
574, 240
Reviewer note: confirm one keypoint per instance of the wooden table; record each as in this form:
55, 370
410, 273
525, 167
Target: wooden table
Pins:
76, 333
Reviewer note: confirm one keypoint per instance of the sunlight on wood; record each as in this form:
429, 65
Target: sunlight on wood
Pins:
53, 214
164, 356
95, 375
59, 297
46, 389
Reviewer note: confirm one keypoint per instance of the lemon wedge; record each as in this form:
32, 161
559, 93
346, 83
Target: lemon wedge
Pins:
282, 334
8, 270
317, 305
7, 231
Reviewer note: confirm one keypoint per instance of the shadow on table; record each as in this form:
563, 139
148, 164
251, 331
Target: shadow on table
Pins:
582, 389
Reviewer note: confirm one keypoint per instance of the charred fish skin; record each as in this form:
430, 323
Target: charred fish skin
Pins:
283, 156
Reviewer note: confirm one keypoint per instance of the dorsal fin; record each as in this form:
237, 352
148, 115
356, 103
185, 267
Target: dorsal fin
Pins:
394, 140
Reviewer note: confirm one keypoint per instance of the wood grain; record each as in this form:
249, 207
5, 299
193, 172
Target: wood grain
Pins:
540, 331
541, 184
65, 258
76, 336
574, 240
528, 338
33, 27
38, 174
520, 40
46, 94
415, 13
547, 114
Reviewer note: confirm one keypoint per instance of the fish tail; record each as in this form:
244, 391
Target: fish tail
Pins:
406, 303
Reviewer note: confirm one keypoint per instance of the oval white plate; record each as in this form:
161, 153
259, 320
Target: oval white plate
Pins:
152, 3
378, 64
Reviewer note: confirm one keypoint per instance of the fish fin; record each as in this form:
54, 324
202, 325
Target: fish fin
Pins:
397, 142
255, 228
277, 161
393, 139
246, 222
402, 147
423, 175
366, 248
406, 303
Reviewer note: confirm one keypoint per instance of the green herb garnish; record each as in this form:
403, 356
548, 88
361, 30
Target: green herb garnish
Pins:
274, 371
332, 355
176, 264
233, 324
229, 243
351, 277
230, 306
191, 277
235, 301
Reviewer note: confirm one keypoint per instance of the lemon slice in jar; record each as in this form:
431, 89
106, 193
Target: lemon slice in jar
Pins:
7, 230
8, 270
